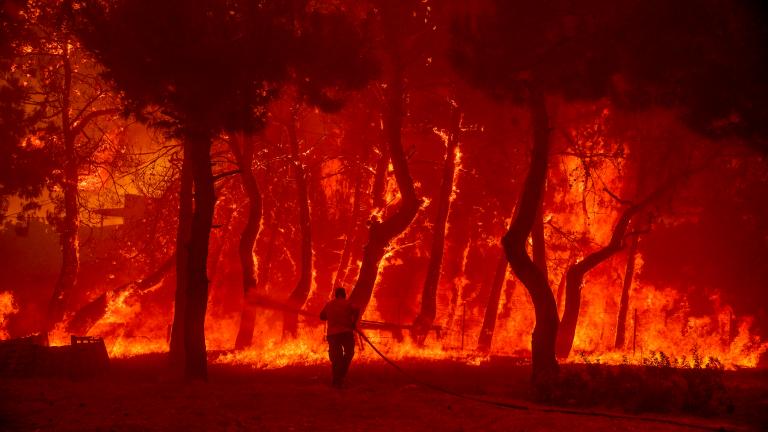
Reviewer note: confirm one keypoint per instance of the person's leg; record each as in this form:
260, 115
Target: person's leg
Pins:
336, 355
348, 344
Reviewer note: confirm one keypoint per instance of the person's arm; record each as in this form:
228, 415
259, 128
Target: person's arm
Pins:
324, 314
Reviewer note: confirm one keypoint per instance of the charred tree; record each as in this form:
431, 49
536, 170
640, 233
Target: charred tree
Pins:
196, 299
491, 311
544, 363
183, 234
426, 316
574, 278
243, 151
561, 288
300, 293
629, 274
381, 233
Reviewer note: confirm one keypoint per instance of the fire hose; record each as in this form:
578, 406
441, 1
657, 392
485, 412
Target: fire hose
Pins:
530, 408
265, 301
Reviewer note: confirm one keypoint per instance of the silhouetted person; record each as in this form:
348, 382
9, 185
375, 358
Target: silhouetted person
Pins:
341, 317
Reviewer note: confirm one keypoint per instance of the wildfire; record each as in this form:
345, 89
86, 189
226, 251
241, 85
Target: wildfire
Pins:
7, 307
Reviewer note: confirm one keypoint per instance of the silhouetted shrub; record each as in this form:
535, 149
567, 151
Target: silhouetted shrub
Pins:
654, 386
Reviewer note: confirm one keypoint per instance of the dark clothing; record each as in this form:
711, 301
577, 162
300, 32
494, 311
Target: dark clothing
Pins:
341, 349
341, 317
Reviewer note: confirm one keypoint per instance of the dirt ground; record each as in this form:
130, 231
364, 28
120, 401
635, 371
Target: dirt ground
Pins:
138, 395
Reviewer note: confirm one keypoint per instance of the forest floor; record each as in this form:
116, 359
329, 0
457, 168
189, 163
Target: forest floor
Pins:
138, 394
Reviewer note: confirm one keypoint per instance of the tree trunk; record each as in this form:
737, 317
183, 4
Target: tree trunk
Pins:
624, 303
491, 311
183, 235
574, 278
69, 237
426, 316
544, 363
380, 234
300, 293
538, 244
561, 287
380, 179
197, 289
346, 252
243, 152
265, 265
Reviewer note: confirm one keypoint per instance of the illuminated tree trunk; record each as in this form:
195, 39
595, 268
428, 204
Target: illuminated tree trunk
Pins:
70, 242
491, 311
183, 234
265, 265
462, 242
380, 234
243, 152
426, 316
346, 252
544, 363
561, 287
574, 278
300, 293
624, 303
538, 244
197, 289
380, 179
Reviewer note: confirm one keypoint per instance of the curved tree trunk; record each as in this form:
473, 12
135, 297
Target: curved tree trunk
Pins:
381, 233
491, 311
183, 234
574, 278
544, 363
242, 149
197, 289
426, 316
300, 293
621, 323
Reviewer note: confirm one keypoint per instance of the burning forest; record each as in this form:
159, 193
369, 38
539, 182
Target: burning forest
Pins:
525, 206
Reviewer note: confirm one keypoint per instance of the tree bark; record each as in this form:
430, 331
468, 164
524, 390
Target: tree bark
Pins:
426, 316
491, 311
197, 289
183, 235
380, 234
621, 323
300, 293
544, 363
69, 237
243, 152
